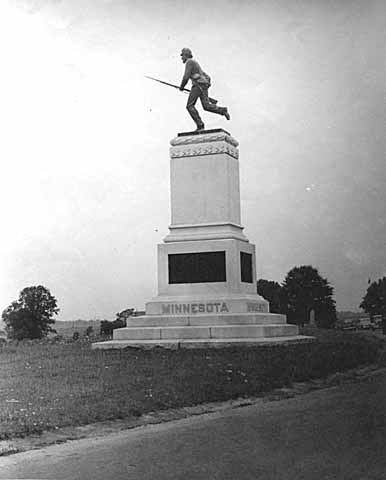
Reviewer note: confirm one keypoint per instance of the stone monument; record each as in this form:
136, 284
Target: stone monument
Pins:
206, 265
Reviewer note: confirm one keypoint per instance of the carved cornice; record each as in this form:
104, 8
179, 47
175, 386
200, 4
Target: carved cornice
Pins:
204, 149
205, 138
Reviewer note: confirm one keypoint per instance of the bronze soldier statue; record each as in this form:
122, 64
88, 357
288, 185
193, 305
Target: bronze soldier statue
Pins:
200, 86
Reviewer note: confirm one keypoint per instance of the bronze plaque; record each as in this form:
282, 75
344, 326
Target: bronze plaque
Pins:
202, 267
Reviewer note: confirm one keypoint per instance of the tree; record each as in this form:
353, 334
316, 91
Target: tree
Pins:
305, 290
272, 292
31, 315
107, 327
374, 302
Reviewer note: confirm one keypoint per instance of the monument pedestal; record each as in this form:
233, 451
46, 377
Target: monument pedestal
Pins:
206, 265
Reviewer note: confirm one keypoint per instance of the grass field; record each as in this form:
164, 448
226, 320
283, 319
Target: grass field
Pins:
45, 386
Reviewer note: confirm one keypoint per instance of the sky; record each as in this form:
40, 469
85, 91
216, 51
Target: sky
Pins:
84, 190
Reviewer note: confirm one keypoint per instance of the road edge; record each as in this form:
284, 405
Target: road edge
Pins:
105, 428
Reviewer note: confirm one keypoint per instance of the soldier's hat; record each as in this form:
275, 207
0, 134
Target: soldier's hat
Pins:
187, 52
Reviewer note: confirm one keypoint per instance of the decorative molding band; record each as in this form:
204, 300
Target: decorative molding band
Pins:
196, 151
211, 137
190, 237
211, 224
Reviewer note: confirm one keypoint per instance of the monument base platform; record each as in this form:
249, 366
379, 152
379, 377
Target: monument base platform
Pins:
203, 330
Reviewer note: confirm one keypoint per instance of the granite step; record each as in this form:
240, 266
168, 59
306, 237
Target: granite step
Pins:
204, 332
206, 320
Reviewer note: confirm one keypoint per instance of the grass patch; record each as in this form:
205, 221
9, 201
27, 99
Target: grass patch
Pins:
45, 386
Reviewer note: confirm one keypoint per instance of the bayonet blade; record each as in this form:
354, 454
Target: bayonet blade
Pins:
166, 83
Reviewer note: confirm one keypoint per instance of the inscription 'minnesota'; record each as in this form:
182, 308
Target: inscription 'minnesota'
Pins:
185, 308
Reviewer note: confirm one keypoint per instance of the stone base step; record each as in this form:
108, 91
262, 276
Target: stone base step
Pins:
208, 320
202, 343
204, 332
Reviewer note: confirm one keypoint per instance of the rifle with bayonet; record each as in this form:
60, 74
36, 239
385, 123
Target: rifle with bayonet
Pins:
212, 100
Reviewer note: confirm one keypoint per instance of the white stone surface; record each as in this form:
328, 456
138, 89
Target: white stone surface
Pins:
205, 190
140, 333
185, 332
252, 331
202, 320
241, 319
205, 231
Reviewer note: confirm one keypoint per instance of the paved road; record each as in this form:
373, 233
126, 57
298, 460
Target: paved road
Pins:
338, 433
